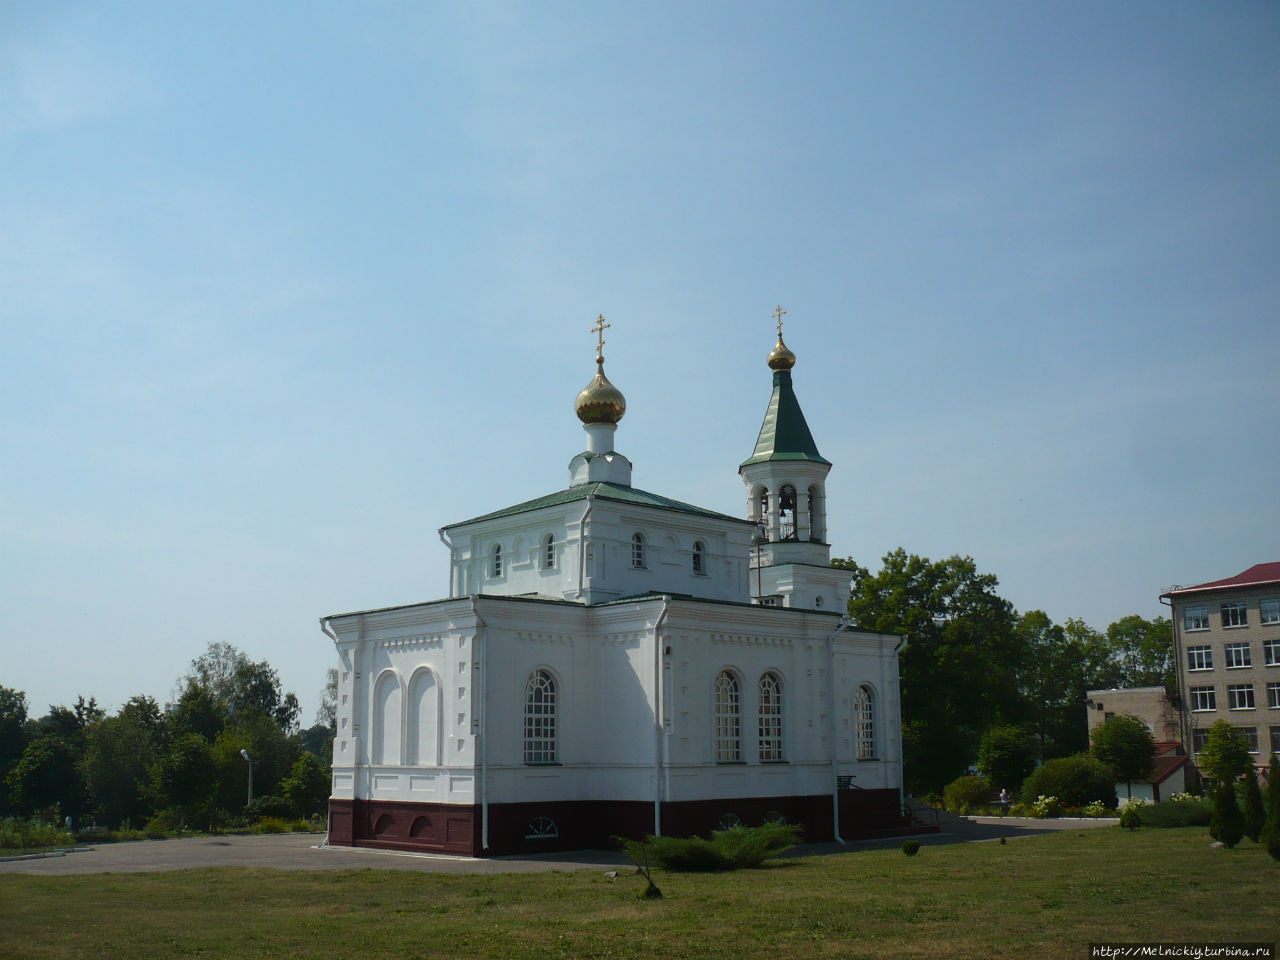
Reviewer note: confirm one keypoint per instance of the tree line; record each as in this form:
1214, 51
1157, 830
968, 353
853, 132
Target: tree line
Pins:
974, 665
180, 764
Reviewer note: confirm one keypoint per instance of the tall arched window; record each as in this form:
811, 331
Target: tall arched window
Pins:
637, 549
495, 567
549, 552
540, 718
763, 505
728, 724
787, 512
770, 693
864, 722
699, 557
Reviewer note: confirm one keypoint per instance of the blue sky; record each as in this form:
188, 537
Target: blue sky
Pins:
285, 288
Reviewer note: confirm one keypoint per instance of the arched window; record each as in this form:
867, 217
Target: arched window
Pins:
540, 718
787, 512
728, 725
699, 557
549, 552
764, 505
817, 531
770, 692
637, 549
864, 722
496, 566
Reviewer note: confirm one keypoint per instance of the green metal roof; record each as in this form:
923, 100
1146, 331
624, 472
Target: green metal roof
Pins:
784, 435
603, 491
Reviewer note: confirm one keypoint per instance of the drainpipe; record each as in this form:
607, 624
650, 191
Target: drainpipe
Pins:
831, 714
582, 543
658, 704
327, 630
481, 660
448, 544
902, 776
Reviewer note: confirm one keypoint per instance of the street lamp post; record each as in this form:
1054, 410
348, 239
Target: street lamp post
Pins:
249, 760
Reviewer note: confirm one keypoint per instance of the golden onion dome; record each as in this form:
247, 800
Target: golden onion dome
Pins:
600, 401
781, 358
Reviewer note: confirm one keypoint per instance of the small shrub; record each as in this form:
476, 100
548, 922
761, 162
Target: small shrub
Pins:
263, 807
1095, 809
965, 792
910, 847
731, 849
1043, 808
1130, 818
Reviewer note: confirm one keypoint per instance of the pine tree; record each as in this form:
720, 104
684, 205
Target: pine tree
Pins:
1271, 829
1253, 812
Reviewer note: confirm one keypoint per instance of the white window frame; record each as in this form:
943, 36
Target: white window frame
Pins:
727, 718
495, 562
1240, 696
1203, 699
1271, 653
1195, 618
769, 696
1238, 655
699, 558
864, 722
1273, 734
1250, 735
1198, 739
540, 706
549, 552
1235, 614
637, 551
1269, 610
1273, 695
1200, 658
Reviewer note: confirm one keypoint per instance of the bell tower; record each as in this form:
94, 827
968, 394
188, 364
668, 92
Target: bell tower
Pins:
787, 499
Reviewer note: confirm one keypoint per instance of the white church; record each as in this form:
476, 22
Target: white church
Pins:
609, 661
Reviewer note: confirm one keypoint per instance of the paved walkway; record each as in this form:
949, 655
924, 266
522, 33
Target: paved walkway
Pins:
302, 851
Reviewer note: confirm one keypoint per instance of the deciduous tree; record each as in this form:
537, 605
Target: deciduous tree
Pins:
1125, 744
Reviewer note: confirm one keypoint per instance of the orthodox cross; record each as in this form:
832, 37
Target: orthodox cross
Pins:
599, 329
778, 315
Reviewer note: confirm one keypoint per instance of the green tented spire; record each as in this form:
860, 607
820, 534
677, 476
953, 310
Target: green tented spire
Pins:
784, 435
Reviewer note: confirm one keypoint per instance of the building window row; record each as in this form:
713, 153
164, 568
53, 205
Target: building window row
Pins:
1237, 655
1234, 613
1200, 737
1239, 697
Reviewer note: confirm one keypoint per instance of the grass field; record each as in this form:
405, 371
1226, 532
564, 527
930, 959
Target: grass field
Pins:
1045, 896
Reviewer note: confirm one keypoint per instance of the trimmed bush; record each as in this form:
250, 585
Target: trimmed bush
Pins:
1129, 817
732, 849
964, 793
910, 847
1075, 781
1189, 812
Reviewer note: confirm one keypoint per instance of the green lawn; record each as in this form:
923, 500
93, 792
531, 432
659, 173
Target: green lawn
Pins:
1045, 896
